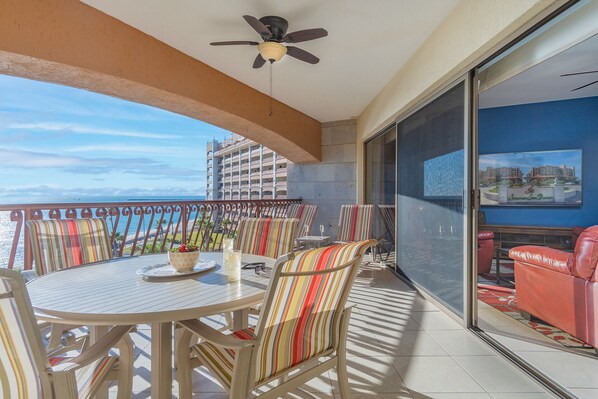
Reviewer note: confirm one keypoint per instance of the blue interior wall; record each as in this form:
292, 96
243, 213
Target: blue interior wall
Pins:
555, 125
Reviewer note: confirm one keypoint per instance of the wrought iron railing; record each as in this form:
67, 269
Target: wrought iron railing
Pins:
137, 228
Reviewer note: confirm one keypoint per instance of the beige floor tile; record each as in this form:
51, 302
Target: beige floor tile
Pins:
568, 369
397, 395
409, 343
515, 395
441, 395
204, 381
496, 374
460, 343
370, 376
492, 318
435, 321
391, 321
523, 338
363, 343
435, 374
321, 384
583, 393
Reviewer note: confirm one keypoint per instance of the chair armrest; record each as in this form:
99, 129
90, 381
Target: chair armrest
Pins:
548, 258
214, 336
95, 351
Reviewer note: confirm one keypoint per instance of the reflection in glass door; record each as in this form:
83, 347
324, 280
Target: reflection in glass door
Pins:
380, 190
431, 202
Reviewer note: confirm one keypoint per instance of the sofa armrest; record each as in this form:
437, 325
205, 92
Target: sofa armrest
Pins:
548, 258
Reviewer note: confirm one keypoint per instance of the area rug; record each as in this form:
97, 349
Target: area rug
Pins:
505, 300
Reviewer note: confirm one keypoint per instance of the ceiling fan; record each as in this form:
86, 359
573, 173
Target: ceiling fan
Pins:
581, 73
273, 31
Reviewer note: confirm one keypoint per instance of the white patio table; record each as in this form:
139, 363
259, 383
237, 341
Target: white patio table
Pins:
111, 293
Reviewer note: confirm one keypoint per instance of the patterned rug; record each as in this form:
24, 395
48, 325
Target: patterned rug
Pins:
505, 300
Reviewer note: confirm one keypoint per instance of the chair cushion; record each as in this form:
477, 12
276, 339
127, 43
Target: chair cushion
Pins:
89, 377
220, 360
355, 223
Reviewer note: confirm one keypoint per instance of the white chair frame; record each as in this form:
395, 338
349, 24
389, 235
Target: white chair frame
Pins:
244, 370
60, 381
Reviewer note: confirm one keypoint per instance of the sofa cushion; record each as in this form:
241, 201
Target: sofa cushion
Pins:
586, 254
548, 258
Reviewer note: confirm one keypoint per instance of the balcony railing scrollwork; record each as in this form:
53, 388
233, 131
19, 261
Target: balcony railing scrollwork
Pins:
137, 228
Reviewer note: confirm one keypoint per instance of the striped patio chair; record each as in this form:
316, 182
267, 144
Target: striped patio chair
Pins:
302, 321
266, 237
355, 223
306, 215
28, 372
60, 244
387, 214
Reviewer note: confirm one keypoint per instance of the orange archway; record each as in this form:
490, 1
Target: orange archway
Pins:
71, 43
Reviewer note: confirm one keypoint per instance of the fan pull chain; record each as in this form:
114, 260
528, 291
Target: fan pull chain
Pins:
271, 62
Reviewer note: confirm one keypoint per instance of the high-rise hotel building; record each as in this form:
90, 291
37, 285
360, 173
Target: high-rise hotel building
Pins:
239, 168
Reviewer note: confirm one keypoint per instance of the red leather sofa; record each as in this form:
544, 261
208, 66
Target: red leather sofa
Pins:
560, 287
485, 251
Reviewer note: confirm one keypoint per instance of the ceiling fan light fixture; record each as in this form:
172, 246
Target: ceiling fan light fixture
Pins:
272, 51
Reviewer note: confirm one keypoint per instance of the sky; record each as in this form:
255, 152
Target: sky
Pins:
526, 160
60, 144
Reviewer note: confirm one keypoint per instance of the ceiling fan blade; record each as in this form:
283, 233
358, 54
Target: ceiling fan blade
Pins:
302, 55
589, 84
234, 43
578, 73
259, 61
258, 26
305, 35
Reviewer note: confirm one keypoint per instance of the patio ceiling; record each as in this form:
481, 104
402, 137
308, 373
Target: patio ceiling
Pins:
368, 43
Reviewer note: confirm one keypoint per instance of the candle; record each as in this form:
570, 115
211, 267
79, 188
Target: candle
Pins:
234, 266
227, 249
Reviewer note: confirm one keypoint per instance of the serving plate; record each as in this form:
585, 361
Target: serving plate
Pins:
165, 271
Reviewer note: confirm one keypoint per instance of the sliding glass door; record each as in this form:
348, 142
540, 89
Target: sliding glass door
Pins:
380, 154
432, 201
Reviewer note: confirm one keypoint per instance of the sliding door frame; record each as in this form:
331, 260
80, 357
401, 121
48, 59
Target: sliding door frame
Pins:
470, 228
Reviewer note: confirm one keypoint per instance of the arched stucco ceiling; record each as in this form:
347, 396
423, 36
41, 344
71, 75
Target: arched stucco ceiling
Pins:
71, 43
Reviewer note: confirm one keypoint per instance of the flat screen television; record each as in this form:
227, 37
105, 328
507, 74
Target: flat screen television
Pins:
535, 178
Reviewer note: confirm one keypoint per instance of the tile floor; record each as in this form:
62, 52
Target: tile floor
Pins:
578, 372
400, 346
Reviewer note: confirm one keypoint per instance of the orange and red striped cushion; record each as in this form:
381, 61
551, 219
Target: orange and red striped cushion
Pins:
306, 215
299, 323
60, 244
266, 237
221, 360
355, 223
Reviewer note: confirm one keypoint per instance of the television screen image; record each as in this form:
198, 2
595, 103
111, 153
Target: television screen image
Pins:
538, 178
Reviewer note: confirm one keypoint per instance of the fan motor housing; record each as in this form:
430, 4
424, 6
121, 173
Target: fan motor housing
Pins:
277, 25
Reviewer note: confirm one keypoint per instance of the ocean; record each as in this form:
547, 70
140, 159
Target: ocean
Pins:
7, 228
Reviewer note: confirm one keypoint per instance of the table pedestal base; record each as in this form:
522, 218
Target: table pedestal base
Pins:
161, 371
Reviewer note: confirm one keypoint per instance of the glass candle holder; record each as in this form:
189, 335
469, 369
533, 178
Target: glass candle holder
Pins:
227, 249
234, 266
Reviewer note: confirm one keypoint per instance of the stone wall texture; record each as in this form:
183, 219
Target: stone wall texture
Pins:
332, 182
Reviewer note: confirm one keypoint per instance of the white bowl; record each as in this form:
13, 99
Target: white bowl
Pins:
183, 261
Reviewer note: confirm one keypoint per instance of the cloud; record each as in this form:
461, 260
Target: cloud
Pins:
119, 148
52, 193
147, 168
81, 129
